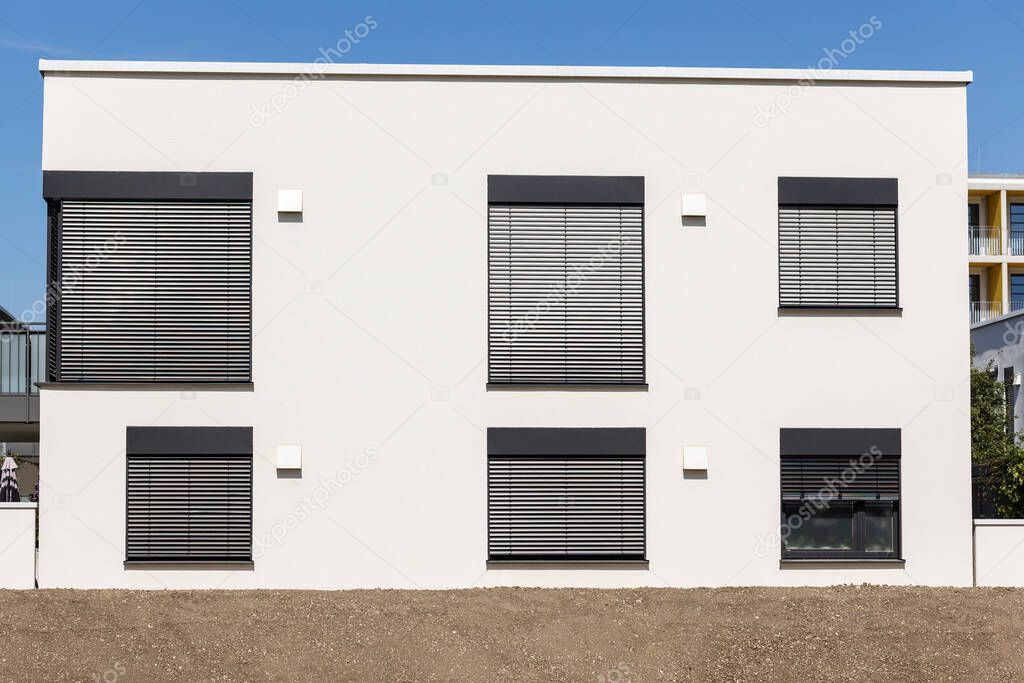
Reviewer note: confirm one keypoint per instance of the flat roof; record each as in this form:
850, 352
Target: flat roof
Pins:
55, 67
995, 181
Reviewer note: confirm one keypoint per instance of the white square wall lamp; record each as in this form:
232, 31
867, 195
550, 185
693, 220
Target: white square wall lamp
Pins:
289, 457
289, 201
695, 206
695, 458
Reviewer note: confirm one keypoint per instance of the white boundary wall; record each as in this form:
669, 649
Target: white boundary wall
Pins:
999, 552
17, 545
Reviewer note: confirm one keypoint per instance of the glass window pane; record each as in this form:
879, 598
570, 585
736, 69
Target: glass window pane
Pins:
879, 529
826, 529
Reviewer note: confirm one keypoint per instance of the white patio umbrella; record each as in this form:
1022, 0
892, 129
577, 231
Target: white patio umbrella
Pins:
8, 478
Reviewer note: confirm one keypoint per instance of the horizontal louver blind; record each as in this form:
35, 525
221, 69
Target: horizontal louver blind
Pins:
566, 294
52, 293
833, 256
545, 508
155, 291
841, 478
195, 508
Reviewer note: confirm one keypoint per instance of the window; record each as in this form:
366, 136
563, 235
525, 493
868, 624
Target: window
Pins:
189, 495
838, 243
565, 494
1010, 395
973, 215
150, 277
1016, 291
1017, 229
565, 280
840, 494
974, 288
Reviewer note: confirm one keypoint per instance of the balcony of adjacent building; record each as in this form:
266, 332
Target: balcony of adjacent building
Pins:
995, 290
984, 241
995, 218
22, 366
988, 291
987, 240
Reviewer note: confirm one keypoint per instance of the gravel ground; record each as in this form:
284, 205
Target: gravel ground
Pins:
609, 636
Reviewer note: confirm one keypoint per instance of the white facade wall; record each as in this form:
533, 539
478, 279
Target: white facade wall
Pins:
369, 319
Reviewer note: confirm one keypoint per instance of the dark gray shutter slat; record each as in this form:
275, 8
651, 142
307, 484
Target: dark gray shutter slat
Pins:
196, 508
837, 256
565, 293
565, 508
155, 291
840, 478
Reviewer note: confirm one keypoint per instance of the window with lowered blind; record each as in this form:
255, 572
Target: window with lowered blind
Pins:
189, 495
565, 280
840, 493
150, 290
838, 243
565, 495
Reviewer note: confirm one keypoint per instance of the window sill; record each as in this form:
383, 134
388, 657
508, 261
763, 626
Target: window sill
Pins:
846, 311
189, 564
568, 564
149, 386
566, 387
841, 561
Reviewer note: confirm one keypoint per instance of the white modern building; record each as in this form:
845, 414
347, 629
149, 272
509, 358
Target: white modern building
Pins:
339, 326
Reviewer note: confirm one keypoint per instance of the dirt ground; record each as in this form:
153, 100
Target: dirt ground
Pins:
610, 636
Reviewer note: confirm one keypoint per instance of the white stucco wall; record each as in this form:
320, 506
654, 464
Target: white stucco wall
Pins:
370, 319
999, 552
17, 545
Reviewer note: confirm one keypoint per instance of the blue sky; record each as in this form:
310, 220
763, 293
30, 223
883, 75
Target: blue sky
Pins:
986, 36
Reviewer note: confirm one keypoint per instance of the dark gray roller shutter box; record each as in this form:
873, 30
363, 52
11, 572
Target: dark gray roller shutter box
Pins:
189, 494
566, 282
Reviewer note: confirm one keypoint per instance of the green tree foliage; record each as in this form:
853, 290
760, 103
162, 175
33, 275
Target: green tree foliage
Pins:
1000, 455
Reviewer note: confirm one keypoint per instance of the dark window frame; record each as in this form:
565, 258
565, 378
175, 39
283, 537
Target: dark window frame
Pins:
136, 186
567, 444
850, 444
858, 520
569, 191
233, 443
840, 193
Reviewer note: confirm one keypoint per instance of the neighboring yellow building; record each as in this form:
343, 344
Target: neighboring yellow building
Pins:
995, 238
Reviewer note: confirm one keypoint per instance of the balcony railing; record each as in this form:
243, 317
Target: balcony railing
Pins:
984, 310
1017, 241
983, 241
22, 357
